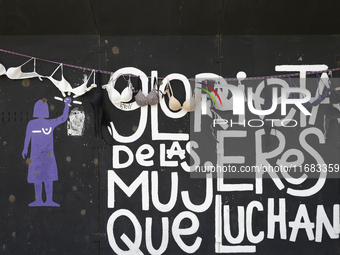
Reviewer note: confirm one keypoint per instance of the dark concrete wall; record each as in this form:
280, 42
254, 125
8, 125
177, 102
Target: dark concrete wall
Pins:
83, 162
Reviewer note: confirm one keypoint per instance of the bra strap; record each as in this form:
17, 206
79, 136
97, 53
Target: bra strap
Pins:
320, 79
155, 84
34, 69
129, 82
292, 82
27, 61
90, 76
155, 87
139, 86
56, 70
168, 84
110, 79
166, 90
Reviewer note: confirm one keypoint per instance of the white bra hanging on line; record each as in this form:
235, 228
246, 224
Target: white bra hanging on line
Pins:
15, 73
2, 70
82, 89
63, 85
114, 96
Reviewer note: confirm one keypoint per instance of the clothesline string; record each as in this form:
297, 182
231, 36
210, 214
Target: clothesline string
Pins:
191, 79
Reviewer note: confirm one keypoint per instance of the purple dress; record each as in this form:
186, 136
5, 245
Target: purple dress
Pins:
39, 132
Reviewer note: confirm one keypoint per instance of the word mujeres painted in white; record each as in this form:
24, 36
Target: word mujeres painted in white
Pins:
289, 228
314, 229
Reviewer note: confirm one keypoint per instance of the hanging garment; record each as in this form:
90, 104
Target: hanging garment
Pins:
334, 97
314, 101
175, 105
97, 102
335, 91
15, 73
82, 89
101, 117
2, 70
114, 96
318, 99
293, 94
63, 85
152, 98
331, 114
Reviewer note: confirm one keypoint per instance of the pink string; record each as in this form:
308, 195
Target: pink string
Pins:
192, 79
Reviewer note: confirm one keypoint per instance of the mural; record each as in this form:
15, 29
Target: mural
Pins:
42, 164
171, 165
296, 169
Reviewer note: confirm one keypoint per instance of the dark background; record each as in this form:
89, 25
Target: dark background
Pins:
220, 17
189, 37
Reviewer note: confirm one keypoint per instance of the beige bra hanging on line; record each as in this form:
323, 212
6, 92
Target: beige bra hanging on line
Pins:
175, 105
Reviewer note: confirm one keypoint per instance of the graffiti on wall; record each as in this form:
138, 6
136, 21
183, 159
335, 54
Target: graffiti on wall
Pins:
272, 157
42, 167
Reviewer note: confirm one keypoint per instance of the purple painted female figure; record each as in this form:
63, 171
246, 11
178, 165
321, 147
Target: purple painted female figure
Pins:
42, 164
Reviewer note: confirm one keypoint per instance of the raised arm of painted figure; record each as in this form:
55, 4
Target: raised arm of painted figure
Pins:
64, 116
27, 140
